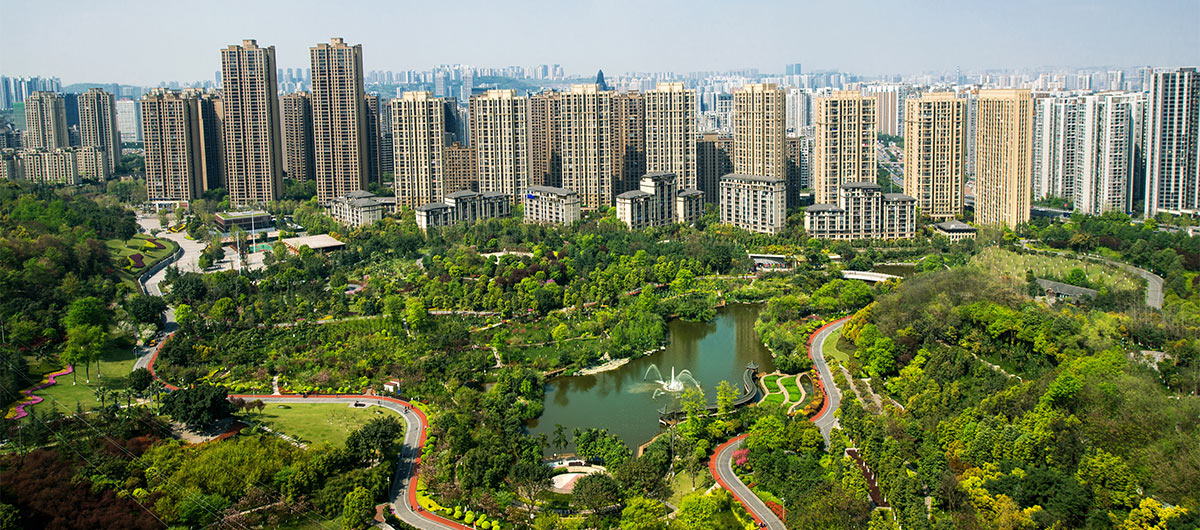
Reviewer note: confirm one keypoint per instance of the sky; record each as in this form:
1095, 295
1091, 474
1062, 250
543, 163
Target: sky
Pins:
142, 43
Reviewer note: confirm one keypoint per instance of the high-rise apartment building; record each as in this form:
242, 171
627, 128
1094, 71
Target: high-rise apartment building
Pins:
45, 121
753, 202
799, 167
500, 142
339, 111
253, 146
1171, 145
799, 110
759, 130
629, 139
129, 120
671, 132
935, 153
1004, 153
714, 159
171, 129
889, 107
545, 138
98, 127
588, 160
461, 172
211, 113
374, 146
843, 144
419, 139
1054, 123
299, 159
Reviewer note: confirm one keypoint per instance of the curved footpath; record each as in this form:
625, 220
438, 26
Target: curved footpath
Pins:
721, 463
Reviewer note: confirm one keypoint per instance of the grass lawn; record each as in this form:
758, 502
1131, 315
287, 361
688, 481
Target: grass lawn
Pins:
681, 485
793, 391
317, 422
115, 364
122, 250
771, 399
837, 348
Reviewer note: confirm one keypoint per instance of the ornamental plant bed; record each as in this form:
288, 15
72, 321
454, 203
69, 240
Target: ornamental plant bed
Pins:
137, 261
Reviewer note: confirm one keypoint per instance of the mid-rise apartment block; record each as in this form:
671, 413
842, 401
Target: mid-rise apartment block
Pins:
339, 111
588, 159
299, 158
671, 132
463, 207
419, 138
689, 206
98, 127
500, 142
1003, 157
844, 143
652, 204
45, 121
1171, 145
253, 146
935, 153
358, 208
759, 130
863, 211
754, 202
172, 136
551, 205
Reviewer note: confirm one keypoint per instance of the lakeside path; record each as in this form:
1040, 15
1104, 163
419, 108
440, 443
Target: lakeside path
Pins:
721, 462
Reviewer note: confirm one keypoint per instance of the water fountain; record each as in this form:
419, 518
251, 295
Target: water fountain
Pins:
677, 382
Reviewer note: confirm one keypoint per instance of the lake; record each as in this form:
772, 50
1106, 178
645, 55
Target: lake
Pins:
622, 402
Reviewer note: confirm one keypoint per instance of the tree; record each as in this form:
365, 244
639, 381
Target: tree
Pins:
147, 309
1151, 515
87, 311
560, 437
415, 313
698, 512
199, 406
529, 479
84, 344
641, 476
376, 439
595, 491
357, 509
1112, 483
140, 380
641, 513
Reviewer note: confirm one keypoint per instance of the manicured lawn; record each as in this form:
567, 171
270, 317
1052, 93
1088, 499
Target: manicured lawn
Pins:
793, 391
122, 251
771, 399
838, 349
115, 364
317, 422
681, 485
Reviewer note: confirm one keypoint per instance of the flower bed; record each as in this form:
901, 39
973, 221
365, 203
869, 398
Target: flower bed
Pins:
137, 261
30, 400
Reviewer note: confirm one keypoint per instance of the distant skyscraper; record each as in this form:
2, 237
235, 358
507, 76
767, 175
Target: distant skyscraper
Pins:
419, 137
98, 127
799, 116
759, 131
340, 120
843, 144
545, 139
1003, 151
671, 132
792, 69
253, 145
935, 153
129, 120
299, 160
172, 147
587, 145
1172, 147
45, 121
600, 80
500, 141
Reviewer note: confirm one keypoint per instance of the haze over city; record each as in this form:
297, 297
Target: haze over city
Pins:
152, 42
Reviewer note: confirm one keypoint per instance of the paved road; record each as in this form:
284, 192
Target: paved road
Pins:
1154, 282
825, 419
721, 467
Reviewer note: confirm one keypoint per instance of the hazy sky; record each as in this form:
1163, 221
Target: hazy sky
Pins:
142, 42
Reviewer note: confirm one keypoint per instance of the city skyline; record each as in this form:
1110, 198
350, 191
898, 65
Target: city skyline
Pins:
907, 39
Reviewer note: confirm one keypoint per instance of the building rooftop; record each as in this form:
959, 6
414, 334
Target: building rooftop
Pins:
954, 226
360, 194
433, 206
690, 192
658, 175
864, 184
317, 242
461, 194
493, 194
756, 178
823, 208
553, 190
898, 197
241, 215
1066, 289
634, 194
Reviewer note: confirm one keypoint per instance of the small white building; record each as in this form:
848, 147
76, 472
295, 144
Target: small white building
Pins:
463, 207
551, 205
